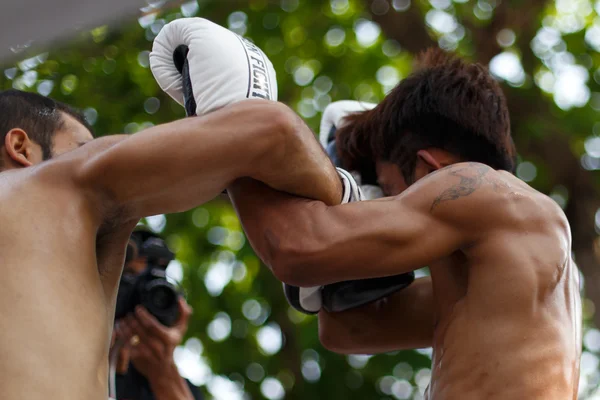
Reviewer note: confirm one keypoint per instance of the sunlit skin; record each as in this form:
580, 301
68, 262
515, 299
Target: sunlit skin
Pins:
501, 309
66, 222
504, 322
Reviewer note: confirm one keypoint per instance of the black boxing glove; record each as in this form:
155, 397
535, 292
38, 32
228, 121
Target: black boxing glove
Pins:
305, 300
342, 296
347, 295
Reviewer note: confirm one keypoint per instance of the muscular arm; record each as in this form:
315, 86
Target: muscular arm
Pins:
176, 166
404, 320
307, 243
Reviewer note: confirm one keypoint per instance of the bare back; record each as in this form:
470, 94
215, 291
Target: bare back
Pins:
508, 313
59, 284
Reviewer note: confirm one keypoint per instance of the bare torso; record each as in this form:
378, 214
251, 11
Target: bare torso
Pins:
508, 308
60, 278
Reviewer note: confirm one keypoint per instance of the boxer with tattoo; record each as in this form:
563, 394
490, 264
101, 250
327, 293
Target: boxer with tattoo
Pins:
501, 307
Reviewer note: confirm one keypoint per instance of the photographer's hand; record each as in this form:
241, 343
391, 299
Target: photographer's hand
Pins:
151, 347
123, 356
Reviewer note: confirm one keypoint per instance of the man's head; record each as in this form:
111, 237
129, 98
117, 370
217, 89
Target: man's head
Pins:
447, 111
35, 128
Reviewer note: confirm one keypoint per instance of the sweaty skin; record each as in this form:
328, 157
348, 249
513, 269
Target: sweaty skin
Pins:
66, 222
501, 308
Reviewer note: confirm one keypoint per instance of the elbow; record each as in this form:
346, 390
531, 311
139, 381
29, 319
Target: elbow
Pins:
278, 123
291, 261
282, 133
297, 250
332, 343
288, 267
282, 119
332, 339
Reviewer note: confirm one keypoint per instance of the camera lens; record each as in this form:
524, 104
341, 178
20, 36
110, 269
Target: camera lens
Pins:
162, 297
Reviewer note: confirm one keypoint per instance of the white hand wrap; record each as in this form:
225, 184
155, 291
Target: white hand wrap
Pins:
223, 67
351, 191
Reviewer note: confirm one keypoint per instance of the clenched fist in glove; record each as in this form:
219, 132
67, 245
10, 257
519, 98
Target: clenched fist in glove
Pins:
204, 66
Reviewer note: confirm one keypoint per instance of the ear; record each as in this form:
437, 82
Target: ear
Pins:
19, 147
431, 163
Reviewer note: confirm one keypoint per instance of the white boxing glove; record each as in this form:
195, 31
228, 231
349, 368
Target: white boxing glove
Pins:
333, 118
204, 66
334, 114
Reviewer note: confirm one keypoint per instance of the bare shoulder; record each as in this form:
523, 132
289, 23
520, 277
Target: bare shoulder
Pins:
474, 193
452, 186
60, 180
34, 197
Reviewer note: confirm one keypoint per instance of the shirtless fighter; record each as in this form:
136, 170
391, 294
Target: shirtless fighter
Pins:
71, 202
62, 258
501, 308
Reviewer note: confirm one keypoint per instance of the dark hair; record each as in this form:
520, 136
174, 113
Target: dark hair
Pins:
446, 103
39, 116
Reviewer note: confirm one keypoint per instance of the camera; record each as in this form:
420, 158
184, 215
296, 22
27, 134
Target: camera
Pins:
150, 288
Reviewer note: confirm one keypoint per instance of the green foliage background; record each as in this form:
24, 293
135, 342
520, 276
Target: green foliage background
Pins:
325, 51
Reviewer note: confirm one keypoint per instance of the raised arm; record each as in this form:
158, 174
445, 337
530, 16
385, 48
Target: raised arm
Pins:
307, 243
177, 166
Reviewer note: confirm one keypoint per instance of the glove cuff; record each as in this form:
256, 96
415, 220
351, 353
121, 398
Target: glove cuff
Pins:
351, 190
306, 300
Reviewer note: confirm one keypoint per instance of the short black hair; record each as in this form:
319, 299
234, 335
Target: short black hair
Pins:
446, 103
39, 116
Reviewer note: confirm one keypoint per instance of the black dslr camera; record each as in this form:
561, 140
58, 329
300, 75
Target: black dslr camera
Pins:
150, 288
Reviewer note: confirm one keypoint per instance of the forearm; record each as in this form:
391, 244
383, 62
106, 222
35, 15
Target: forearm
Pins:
270, 219
404, 320
304, 169
169, 385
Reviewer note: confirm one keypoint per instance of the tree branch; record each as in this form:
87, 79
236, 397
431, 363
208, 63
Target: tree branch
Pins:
406, 27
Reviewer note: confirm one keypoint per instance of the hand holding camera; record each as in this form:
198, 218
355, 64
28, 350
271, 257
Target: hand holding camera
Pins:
151, 319
150, 344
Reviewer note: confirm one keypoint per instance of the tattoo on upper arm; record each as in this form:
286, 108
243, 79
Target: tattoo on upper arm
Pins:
471, 178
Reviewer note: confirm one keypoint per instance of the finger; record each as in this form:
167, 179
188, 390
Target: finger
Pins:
142, 350
123, 361
146, 352
125, 329
117, 333
151, 324
185, 311
154, 343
